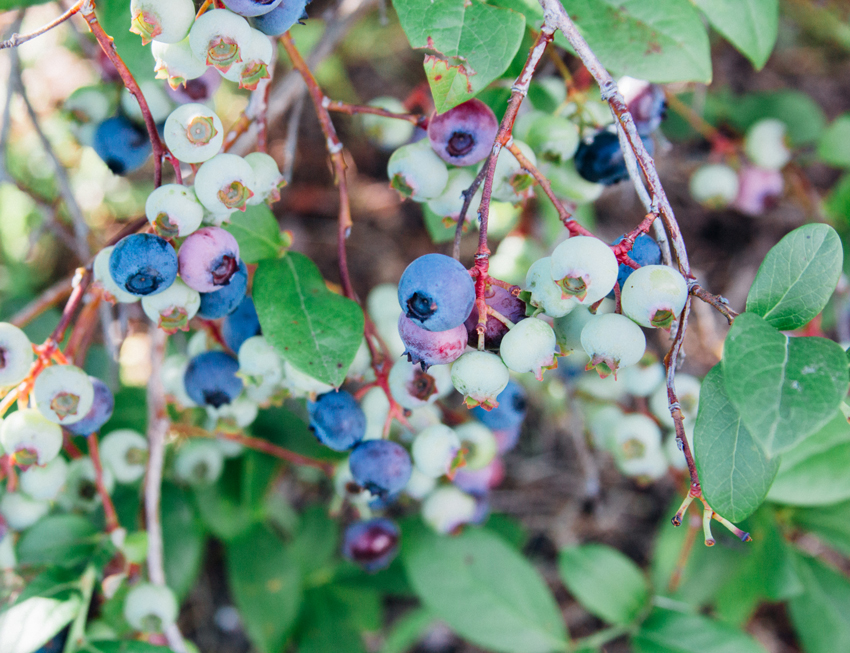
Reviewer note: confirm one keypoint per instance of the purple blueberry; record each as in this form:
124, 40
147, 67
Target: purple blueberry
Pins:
199, 89
646, 102
436, 292
645, 251
241, 324
600, 159
143, 264
99, 413
337, 420
210, 379
431, 347
509, 413
225, 300
502, 301
281, 18
123, 146
371, 544
251, 7
381, 466
208, 259
463, 135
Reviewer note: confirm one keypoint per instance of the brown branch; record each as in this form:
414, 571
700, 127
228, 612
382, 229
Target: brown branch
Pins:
50, 297
721, 304
108, 507
18, 39
353, 109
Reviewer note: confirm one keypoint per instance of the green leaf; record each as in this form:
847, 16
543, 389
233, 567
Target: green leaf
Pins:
784, 388
821, 615
58, 539
407, 630
484, 590
28, 625
666, 631
828, 523
183, 539
750, 25
470, 44
606, 582
659, 41
113, 646
5, 5
797, 277
437, 229
317, 331
316, 542
814, 472
114, 17
800, 113
266, 585
53, 583
834, 143
257, 232
327, 625
733, 470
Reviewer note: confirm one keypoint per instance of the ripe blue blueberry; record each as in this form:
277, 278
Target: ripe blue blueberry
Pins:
436, 292
463, 135
431, 347
371, 544
251, 7
241, 324
99, 413
123, 146
226, 299
143, 264
211, 379
381, 466
510, 412
600, 159
645, 251
281, 18
208, 259
337, 420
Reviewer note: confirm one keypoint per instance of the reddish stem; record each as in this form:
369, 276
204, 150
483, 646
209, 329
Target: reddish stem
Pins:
108, 507
352, 109
18, 39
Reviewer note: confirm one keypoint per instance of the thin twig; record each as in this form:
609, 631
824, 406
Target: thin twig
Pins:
108, 507
353, 109
18, 39
291, 147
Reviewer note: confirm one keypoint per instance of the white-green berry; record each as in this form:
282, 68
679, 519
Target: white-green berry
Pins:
654, 296
612, 342
585, 268
480, 376
16, 355
174, 210
125, 452
529, 346
194, 134
172, 309
150, 608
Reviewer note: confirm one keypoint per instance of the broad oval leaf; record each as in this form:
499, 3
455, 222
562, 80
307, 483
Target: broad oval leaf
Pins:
28, 625
666, 631
734, 472
750, 25
124, 646
606, 582
834, 143
830, 524
484, 590
660, 41
784, 388
183, 539
814, 473
266, 584
821, 614
58, 540
470, 44
316, 330
797, 277
258, 234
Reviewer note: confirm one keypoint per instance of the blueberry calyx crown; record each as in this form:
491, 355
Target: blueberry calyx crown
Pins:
224, 270
460, 143
420, 307
216, 398
144, 282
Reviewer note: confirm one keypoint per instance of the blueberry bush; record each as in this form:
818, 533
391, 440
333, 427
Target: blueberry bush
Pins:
358, 327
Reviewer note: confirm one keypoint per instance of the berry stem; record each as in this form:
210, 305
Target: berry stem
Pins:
337, 106
17, 39
108, 507
684, 554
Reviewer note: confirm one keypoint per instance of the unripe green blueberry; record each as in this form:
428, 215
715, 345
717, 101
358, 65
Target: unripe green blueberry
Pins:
199, 462
513, 257
650, 467
361, 366
529, 347
598, 388
194, 134
217, 38
642, 379
654, 295
511, 183
450, 202
174, 210
524, 121
420, 485
553, 138
415, 171
241, 413
44, 483
301, 384
765, 144
480, 376
257, 54
546, 294
479, 443
636, 445
600, 421
125, 452
376, 407
411, 387
267, 178
63, 393
387, 133
612, 342
347, 488
568, 329
173, 373
80, 492
159, 104
224, 183
382, 306
150, 608
259, 361
447, 508
172, 309
435, 450
112, 292
16, 355
20, 511
568, 184
30, 437
91, 104
585, 268
714, 185
687, 391
167, 21
176, 63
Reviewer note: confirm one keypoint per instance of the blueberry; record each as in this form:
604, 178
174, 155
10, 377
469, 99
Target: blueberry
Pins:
99, 413
371, 544
122, 145
600, 159
503, 302
645, 251
251, 7
143, 264
281, 18
509, 413
381, 466
436, 292
226, 300
337, 420
199, 89
464, 134
211, 379
241, 324
431, 347
208, 259
646, 103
